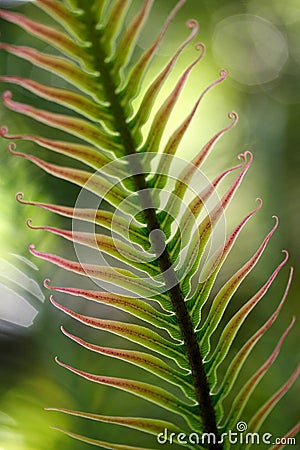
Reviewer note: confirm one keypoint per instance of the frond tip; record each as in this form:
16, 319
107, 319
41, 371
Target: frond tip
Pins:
153, 225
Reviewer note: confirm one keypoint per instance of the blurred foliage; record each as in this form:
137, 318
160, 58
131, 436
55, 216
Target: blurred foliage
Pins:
269, 115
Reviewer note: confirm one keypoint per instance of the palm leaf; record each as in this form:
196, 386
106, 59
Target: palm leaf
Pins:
164, 251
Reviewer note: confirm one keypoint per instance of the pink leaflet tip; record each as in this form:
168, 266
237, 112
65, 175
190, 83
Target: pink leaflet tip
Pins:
47, 284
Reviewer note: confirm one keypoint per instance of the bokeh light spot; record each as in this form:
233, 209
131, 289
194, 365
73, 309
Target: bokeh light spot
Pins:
252, 48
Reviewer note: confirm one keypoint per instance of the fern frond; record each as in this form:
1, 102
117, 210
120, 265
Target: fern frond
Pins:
167, 239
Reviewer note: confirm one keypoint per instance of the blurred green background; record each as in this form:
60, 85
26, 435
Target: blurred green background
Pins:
258, 43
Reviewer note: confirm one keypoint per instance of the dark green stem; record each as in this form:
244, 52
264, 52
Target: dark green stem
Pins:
194, 357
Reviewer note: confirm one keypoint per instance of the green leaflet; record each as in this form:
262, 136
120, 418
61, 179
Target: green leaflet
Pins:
103, 218
288, 435
146, 391
132, 86
149, 97
143, 360
134, 306
224, 295
244, 394
72, 100
161, 118
98, 443
113, 247
203, 290
164, 233
78, 127
56, 38
141, 335
234, 325
69, 20
62, 67
264, 411
242, 355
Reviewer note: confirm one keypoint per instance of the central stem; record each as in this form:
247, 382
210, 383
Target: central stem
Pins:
200, 383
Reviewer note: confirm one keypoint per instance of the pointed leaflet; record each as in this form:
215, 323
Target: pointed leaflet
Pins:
151, 426
143, 360
147, 391
243, 396
113, 24
233, 326
162, 116
125, 47
184, 231
134, 306
64, 17
149, 97
223, 297
135, 333
87, 155
98, 443
175, 139
188, 172
286, 438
